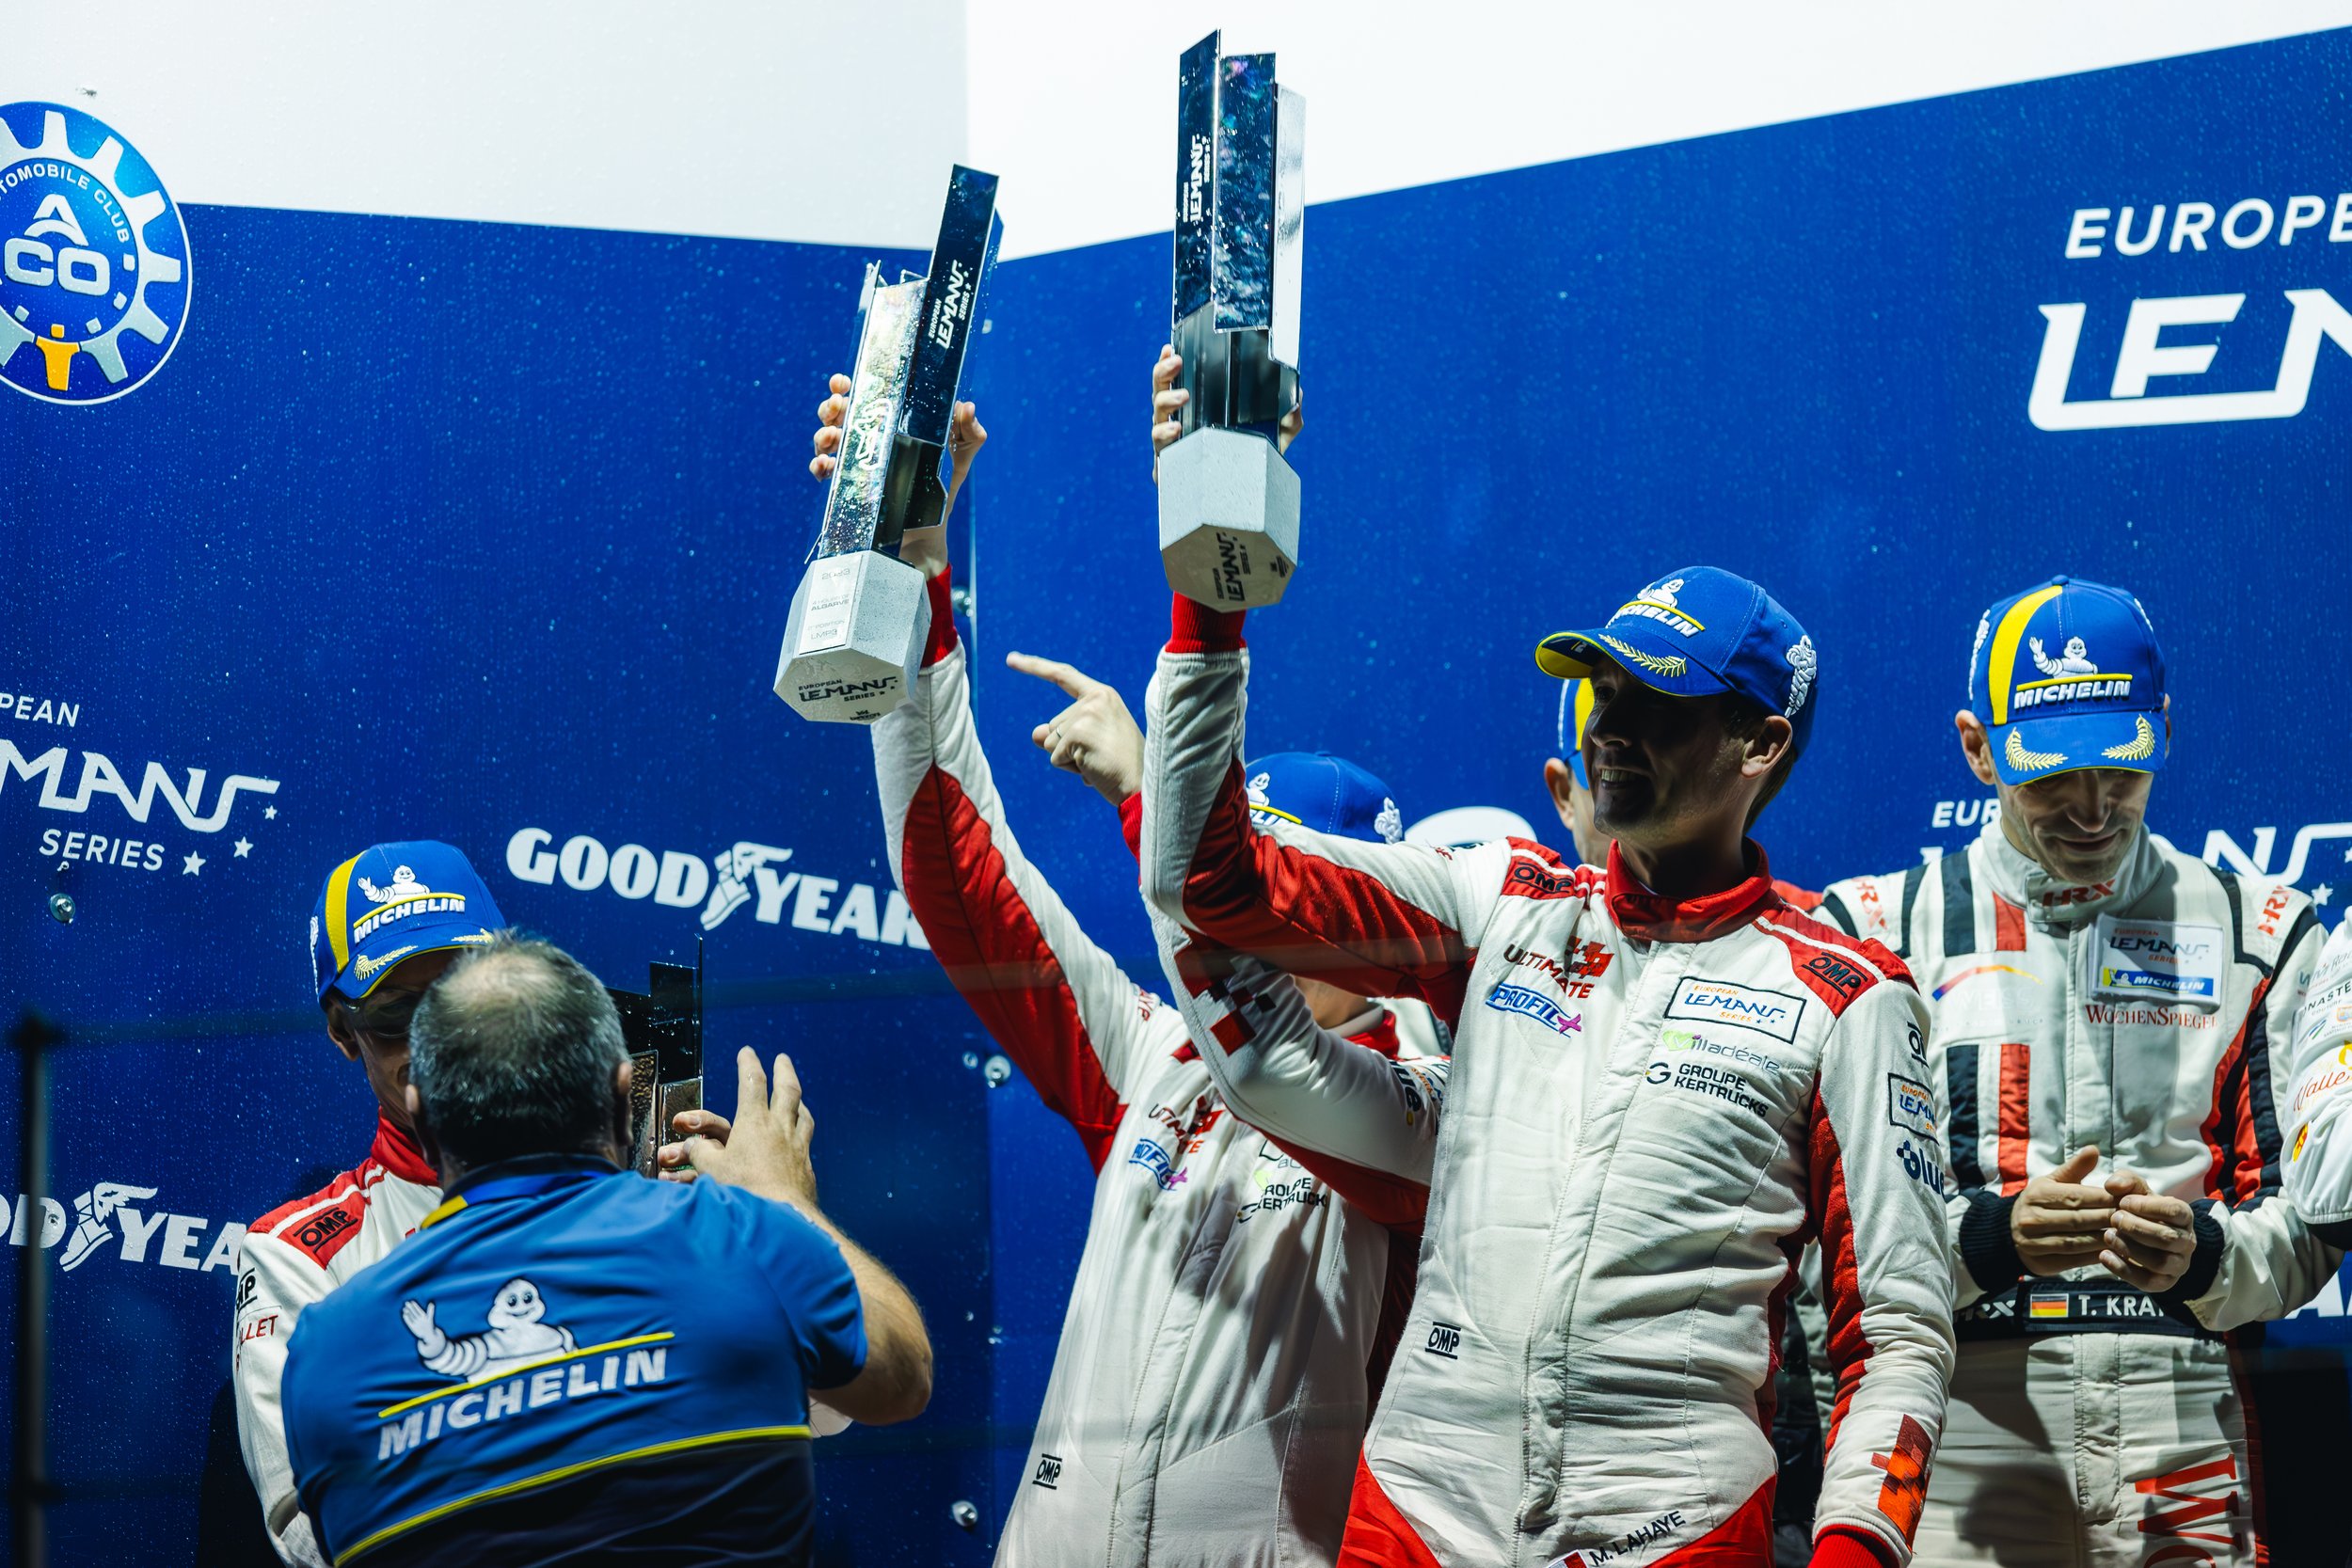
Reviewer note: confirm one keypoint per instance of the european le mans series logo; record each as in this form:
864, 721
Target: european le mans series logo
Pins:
93, 258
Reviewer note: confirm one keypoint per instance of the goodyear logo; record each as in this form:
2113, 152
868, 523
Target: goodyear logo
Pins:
93, 258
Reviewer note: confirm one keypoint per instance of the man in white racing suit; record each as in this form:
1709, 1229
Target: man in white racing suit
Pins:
2110, 1016
1230, 1317
387, 922
1665, 1082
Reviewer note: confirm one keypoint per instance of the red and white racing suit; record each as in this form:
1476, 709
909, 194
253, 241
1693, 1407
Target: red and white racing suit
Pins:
1212, 1384
1653, 1107
2319, 1147
2091, 1423
293, 1256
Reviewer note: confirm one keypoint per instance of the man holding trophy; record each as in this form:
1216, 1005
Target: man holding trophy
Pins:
1229, 1320
1669, 1082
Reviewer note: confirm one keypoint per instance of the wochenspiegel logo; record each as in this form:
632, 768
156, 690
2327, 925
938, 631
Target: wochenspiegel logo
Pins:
93, 258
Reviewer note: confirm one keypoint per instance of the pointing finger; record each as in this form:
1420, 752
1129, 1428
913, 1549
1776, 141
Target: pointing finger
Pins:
1071, 679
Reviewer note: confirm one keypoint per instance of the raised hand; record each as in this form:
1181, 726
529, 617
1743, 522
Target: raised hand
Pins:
923, 547
1095, 736
766, 1149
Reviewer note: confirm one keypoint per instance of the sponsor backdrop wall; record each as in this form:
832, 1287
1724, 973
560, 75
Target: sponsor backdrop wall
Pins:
398, 526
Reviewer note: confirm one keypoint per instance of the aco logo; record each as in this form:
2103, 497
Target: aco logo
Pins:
93, 258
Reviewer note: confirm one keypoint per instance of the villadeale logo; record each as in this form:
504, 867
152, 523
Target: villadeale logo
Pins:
94, 276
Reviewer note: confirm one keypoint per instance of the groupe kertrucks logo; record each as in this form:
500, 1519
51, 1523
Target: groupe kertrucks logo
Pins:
93, 258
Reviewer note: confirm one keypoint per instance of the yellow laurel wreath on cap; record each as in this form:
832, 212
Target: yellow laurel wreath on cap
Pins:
2019, 757
2139, 749
1651, 662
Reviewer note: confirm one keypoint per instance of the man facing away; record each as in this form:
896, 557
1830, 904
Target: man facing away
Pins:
568, 1363
1665, 1082
2110, 1019
1230, 1318
387, 922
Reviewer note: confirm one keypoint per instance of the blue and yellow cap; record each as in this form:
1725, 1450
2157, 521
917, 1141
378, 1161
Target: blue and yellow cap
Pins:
1698, 631
1330, 795
390, 902
2069, 675
1576, 711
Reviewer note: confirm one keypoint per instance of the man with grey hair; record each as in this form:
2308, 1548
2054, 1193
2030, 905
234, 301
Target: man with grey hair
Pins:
570, 1365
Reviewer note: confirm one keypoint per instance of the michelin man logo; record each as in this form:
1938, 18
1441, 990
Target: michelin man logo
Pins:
93, 258
2075, 660
1389, 822
1257, 800
515, 1337
403, 885
1662, 592
1803, 660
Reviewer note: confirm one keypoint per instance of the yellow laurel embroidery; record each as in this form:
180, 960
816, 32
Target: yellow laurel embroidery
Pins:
2139, 749
1651, 662
2019, 757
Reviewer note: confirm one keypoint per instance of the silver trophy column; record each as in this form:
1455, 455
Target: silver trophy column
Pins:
860, 617
1228, 504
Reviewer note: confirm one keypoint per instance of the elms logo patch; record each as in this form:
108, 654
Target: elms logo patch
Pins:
1767, 1012
93, 258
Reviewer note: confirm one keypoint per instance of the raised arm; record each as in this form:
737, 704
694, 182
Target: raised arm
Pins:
1382, 919
860, 1338
1080, 1031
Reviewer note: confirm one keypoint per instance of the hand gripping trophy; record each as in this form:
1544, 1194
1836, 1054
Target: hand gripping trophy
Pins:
860, 616
1228, 504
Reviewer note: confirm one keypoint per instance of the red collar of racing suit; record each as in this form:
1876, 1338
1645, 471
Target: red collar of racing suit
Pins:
1648, 916
397, 1153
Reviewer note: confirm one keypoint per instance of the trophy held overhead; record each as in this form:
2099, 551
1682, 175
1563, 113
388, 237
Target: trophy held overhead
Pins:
860, 616
1228, 502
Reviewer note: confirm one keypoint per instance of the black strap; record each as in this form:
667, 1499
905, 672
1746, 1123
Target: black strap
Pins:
2069, 1306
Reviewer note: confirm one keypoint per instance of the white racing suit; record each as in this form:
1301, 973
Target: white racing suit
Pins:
1653, 1107
2090, 1423
1216, 1367
2319, 1147
293, 1256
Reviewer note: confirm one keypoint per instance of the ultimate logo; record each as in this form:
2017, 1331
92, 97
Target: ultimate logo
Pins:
93, 258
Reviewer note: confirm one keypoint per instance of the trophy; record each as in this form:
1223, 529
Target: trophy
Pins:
664, 1030
861, 617
1228, 504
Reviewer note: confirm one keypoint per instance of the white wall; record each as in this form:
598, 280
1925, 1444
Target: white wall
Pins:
761, 118
716, 117
1073, 100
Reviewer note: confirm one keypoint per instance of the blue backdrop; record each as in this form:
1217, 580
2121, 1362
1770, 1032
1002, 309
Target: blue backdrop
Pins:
465, 531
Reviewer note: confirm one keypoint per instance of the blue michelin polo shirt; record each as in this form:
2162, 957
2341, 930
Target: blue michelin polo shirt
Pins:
566, 1363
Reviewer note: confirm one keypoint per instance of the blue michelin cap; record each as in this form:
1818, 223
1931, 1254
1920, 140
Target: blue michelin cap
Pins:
2069, 675
1698, 631
1330, 795
1576, 712
394, 901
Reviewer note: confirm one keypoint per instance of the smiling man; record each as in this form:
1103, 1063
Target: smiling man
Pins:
1665, 1082
2111, 1016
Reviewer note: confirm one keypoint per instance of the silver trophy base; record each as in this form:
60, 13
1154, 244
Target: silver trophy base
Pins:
855, 638
1228, 519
